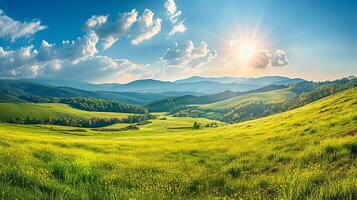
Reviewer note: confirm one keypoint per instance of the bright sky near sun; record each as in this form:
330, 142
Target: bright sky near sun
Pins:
121, 41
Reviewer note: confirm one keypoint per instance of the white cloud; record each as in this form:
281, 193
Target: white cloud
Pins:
174, 15
273, 58
97, 69
69, 60
12, 29
30, 62
279, 58
172, 11
260, 60
187, 55
96, 21
147, 27
111, 31
170, 6
78, 59
69, 50
9, 60
126, 25
178, 28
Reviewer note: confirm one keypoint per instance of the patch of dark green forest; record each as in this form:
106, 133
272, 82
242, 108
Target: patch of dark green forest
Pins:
99, 105
86, 123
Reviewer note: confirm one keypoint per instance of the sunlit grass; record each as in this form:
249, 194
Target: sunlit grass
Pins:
306, 153
50, 110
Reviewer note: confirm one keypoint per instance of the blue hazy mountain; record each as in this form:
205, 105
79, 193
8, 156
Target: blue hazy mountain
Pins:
195, 85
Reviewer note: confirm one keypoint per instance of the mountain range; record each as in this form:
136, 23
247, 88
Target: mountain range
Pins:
195, 85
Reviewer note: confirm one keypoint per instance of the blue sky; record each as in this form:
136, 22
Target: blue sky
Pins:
315, 40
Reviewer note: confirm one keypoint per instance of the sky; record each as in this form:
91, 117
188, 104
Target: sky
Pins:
121, 41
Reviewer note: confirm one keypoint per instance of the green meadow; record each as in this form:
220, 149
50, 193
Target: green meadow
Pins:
275, 96
50, 110
306, 153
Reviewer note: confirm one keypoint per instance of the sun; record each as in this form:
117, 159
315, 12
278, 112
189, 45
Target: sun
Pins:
246, 51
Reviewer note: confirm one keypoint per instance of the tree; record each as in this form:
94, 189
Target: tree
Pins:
196, 125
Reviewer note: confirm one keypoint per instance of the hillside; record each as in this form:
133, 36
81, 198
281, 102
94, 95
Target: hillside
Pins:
172, 103
23, 91
268, 97
305, 153
260, 103
10, 111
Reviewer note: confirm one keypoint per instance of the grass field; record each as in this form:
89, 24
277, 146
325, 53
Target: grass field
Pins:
50, 110
268, 97
306, 153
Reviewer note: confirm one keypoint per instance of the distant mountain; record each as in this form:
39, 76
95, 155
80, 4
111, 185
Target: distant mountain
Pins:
66, 83
194, 79
192, 85
290, 81
27, 91
264, 80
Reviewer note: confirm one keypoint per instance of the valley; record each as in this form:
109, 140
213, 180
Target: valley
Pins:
178, 100
308, 152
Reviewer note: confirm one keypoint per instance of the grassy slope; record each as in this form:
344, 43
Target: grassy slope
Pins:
310, 152
269, 97
49, 110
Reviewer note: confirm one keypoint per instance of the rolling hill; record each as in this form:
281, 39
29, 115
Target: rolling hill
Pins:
305, 153
262, 102
53, 111
172, 103
275, 96
23, 91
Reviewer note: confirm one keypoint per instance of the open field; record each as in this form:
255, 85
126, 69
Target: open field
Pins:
306, 153
50, 110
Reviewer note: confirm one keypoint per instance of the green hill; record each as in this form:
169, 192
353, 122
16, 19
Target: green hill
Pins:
240, 108
172, 103
264, 103
49, 110
268, 97
27, 91
305, 153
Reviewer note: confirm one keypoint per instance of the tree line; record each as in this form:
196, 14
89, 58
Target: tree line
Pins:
91, 104
87, 123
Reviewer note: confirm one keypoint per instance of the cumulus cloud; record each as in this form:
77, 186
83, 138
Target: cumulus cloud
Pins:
111, 31
97, 68
127, 24
178, 28
29, 62
13, 29
78, 59
174, 15
10, 60
279, 58
172, 11
147, 27
187, 55
96, 21
274, 58
69, 50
